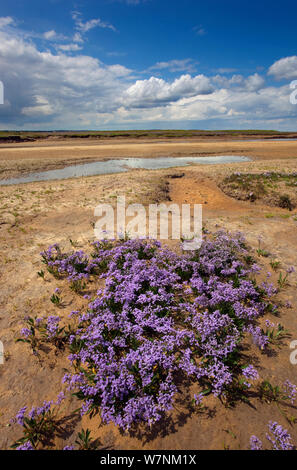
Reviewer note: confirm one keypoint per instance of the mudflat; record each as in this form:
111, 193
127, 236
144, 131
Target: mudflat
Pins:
26, 157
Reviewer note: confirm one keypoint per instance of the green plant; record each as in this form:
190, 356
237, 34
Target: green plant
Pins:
275, 264
279, 395
274, 333
262, 252
285, 202
282, 280
55, 299
84, 440
78, 286
47, 330
29, 334
38, 427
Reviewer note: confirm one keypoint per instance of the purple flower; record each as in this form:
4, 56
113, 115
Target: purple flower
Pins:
159, 315
280, 439
250, 373
290, 390
26, 446
60, 398
21, 415
26, 332
52, 325
198, 398
290, 270
255, 443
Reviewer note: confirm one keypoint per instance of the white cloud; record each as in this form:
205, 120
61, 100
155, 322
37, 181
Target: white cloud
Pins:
176, 65
78, 38
50, 34
285, 68
226, 70
60, 90
42, 87
85, 26
42, 107
68, 47
6, 21
254, 82
146, 93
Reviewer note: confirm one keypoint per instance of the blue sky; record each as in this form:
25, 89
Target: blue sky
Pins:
133, 64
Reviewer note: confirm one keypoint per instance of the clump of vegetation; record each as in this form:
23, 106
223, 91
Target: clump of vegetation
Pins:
45, 330
285, 202
161, 315
38, 425
279, 438
271, 188
162, 318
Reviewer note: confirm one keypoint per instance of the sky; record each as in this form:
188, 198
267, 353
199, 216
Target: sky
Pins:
148, 64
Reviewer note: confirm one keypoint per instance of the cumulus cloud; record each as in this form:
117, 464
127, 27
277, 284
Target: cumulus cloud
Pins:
284, 69
67, 89
46, 87
252, 83
232, 107
146, 93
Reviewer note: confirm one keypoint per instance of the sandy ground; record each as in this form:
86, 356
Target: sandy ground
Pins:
34, 215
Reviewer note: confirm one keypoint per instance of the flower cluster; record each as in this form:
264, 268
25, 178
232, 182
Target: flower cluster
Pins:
159, 316
45, 330
77, 266
279, 438
38, 424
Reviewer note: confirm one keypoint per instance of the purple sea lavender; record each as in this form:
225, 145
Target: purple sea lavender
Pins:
26, 446
255, 443
280, 439
159, 315
21, 415
290, 390
250, 373
26, 332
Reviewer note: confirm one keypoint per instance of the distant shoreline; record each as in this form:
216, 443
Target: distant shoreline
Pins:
33, 136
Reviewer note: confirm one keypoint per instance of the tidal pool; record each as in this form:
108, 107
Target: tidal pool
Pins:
121, 165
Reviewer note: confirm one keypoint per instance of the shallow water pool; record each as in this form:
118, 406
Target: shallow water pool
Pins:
122, 165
